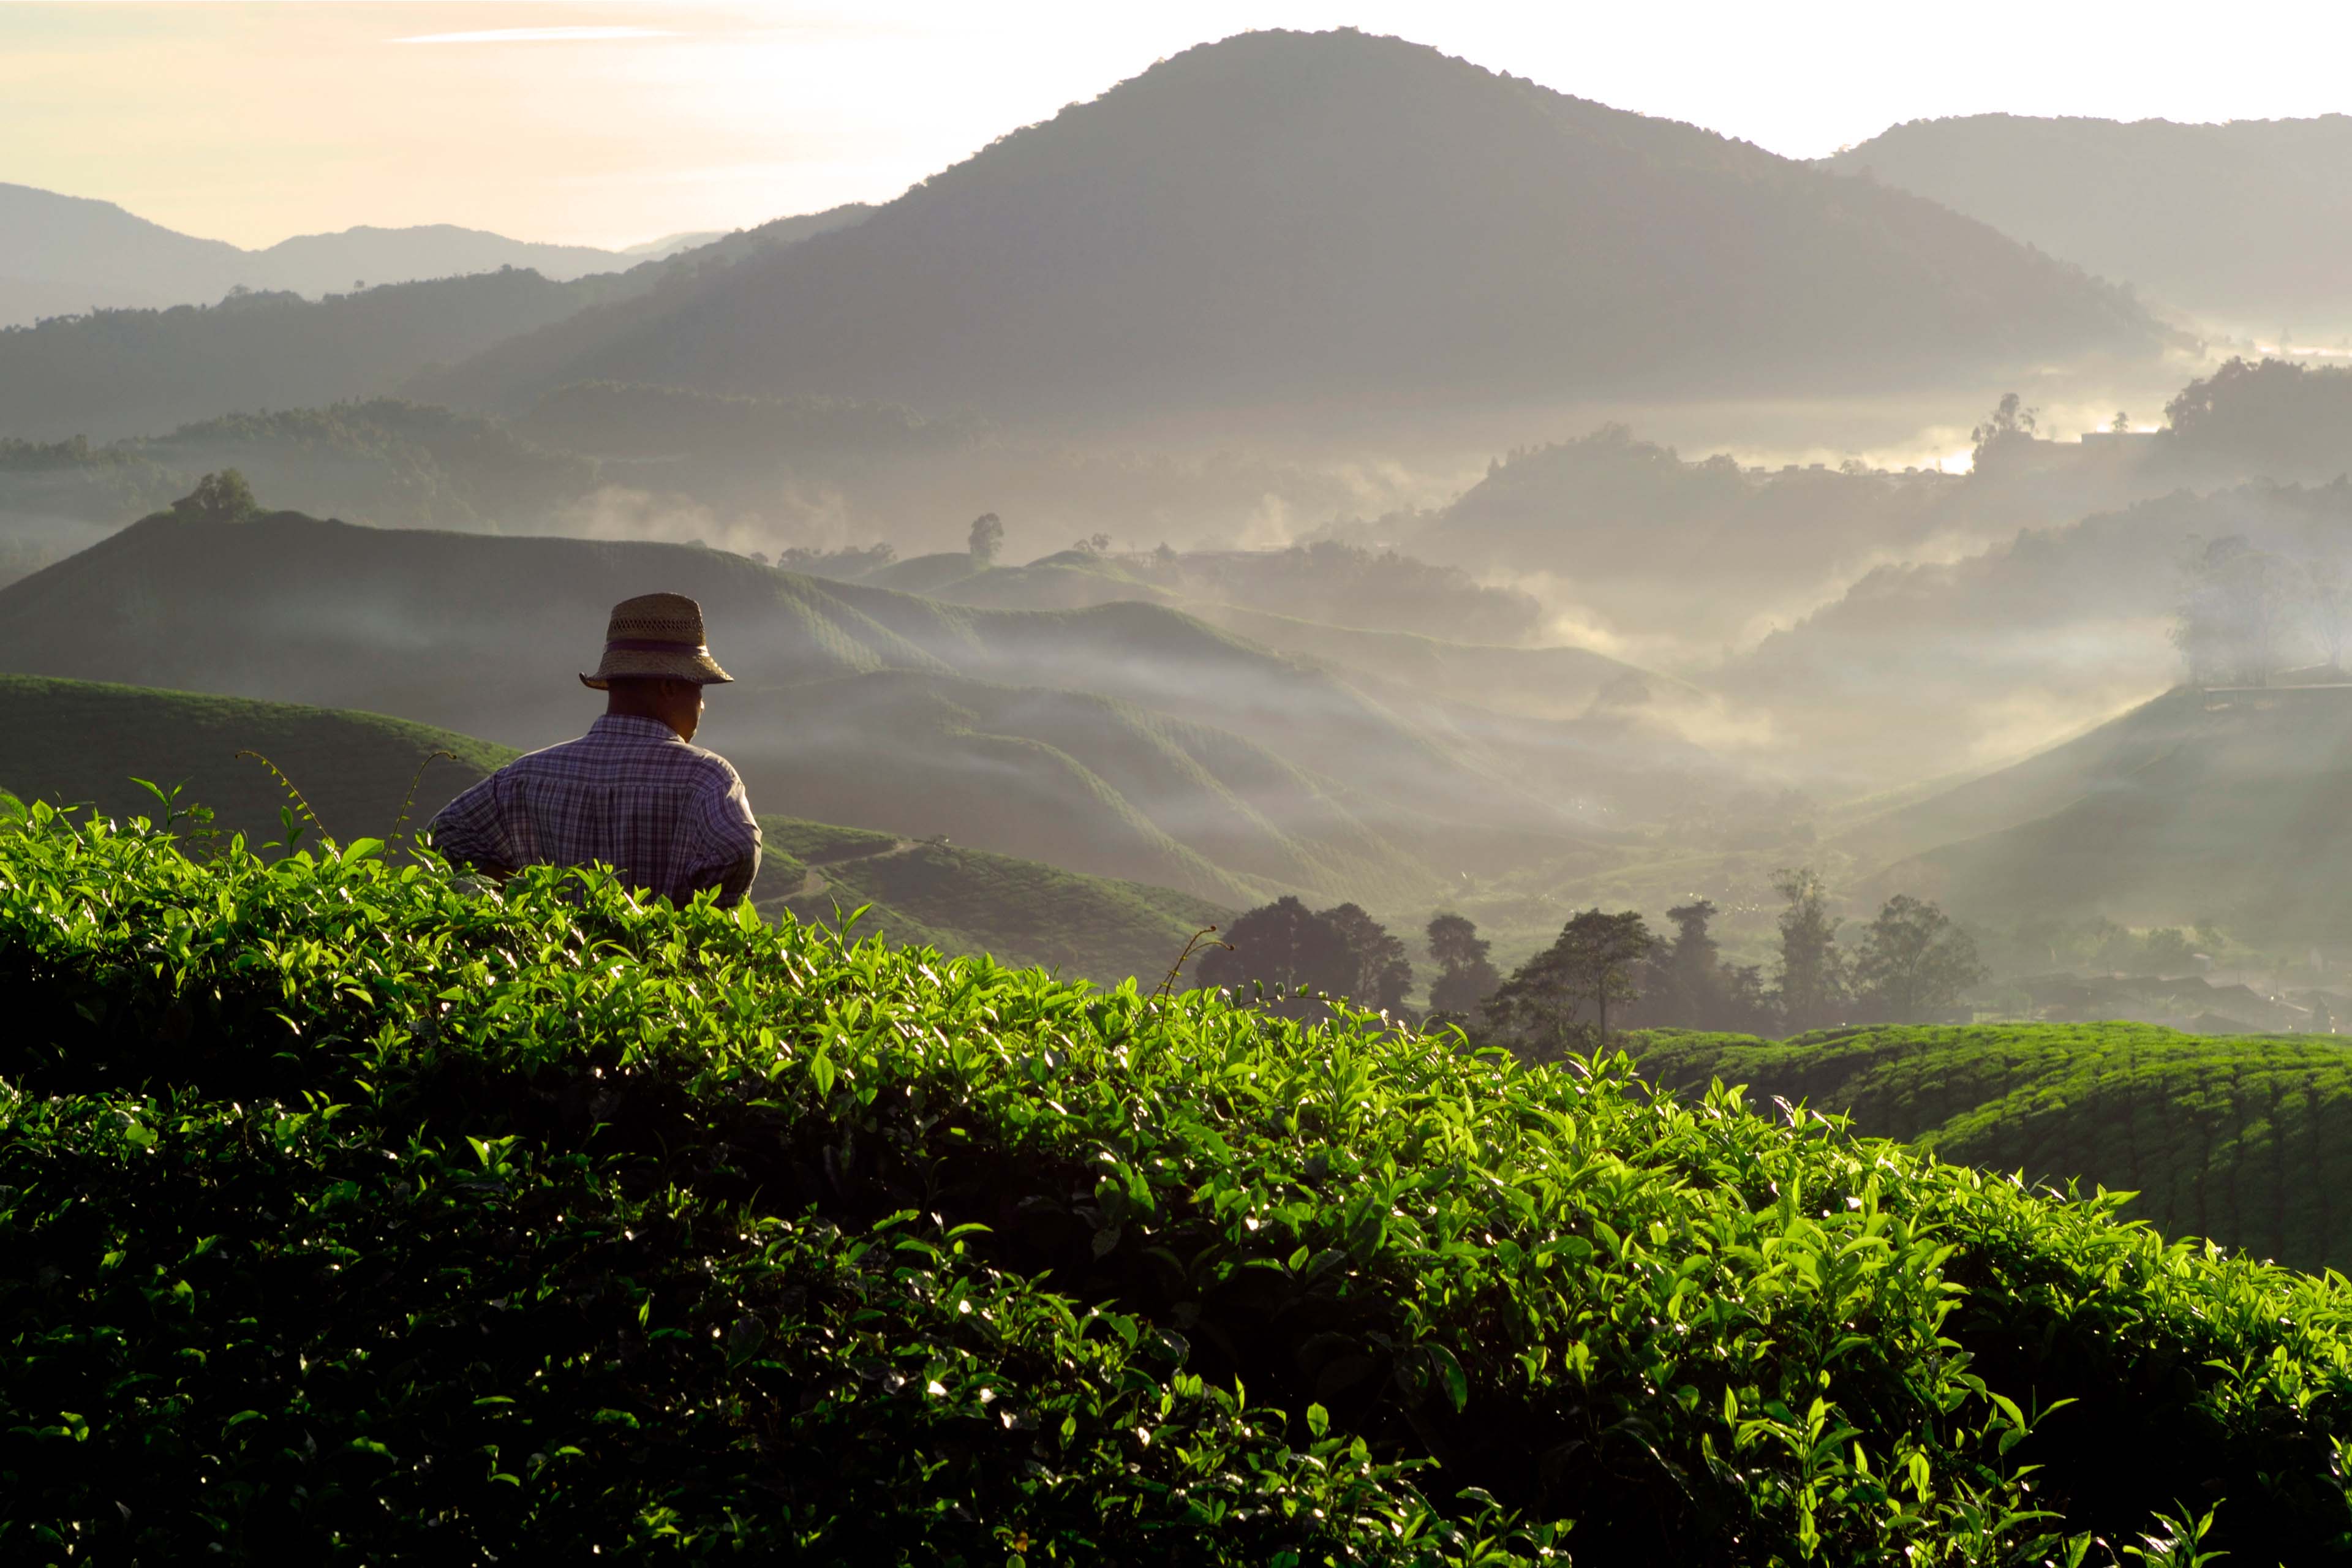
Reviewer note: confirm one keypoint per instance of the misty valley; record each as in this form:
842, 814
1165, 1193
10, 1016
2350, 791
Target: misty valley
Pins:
1488, 831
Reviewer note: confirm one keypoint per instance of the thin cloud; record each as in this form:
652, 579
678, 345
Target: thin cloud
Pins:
538, 35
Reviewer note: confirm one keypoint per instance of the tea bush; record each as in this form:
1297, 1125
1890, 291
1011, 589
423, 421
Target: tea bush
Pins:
357, 1212
2247, 1139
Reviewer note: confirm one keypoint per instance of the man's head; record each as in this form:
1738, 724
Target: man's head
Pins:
676, 703
656, 663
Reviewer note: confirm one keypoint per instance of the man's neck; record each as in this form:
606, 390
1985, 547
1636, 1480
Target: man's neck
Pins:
623, 702
636, 717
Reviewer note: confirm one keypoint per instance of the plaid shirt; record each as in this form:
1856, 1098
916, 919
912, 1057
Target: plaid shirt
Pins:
670, 817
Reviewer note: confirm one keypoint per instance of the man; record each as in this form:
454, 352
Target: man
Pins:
672, 818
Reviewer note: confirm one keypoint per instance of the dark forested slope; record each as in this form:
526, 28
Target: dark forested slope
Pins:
119, 373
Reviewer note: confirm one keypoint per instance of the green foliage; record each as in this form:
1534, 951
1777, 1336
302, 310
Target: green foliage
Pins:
2242, 1140
353, 1215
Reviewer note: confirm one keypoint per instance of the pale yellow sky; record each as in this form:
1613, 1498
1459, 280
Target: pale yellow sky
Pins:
610, 123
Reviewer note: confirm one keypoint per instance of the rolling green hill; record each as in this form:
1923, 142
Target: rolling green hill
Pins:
1538, 682
2101, 759
1088, 782
68, 741
71, 740
959, 900
2247, 1140
484, 634
350, 1213
2197, 806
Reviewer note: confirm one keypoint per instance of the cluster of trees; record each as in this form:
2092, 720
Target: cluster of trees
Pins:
224, 496
1609, 971
2278, 418
2098, 945
1294, 958
2247, 614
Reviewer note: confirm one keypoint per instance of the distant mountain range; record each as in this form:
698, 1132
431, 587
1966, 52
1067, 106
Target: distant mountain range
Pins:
1291, 216
64, 255
1281, 217
2245, 224
134, 371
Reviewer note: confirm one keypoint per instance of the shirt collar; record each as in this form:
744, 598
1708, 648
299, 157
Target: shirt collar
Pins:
632, 727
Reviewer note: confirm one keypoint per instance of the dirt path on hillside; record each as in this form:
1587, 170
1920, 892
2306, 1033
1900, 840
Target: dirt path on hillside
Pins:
812, 880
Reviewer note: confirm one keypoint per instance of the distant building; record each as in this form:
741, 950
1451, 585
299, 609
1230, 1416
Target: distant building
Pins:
2119, 440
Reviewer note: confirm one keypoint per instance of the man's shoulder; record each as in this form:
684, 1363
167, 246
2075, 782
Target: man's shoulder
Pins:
705, 760
597, 753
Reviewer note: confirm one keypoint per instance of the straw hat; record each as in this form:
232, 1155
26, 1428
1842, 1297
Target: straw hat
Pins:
657, 635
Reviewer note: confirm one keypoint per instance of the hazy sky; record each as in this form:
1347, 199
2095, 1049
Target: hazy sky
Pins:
610, 123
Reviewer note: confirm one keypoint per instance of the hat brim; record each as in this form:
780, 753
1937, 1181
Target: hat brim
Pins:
633, 664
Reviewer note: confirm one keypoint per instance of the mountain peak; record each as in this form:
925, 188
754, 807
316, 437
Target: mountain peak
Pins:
1291, 216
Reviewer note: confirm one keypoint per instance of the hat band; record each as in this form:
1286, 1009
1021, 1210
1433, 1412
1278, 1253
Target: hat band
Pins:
651, 645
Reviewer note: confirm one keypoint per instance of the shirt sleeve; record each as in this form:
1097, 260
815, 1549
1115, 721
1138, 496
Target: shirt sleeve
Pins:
727, 841
471, 830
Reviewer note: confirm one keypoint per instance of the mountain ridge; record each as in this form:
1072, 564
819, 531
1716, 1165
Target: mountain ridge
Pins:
2167, 206
1256, 219
62, 254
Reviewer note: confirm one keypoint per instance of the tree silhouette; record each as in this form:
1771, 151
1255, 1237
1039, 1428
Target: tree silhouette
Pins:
1812, 971
986, 539
1382, 973
1912, 962
224, 496
1466, 979
1595, 960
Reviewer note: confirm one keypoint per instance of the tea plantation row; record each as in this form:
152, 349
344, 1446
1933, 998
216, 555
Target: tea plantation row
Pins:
2247, 1140
355, 1213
